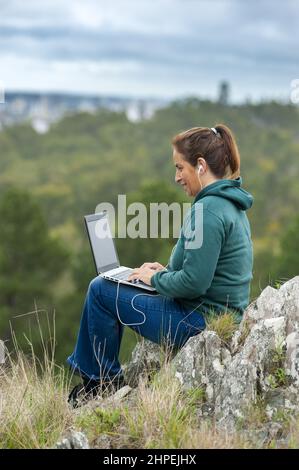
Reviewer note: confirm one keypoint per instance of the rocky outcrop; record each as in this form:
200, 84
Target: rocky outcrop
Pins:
261, 361
73, 440
147, 357
202, 362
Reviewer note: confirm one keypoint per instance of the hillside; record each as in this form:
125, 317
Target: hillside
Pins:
87, 159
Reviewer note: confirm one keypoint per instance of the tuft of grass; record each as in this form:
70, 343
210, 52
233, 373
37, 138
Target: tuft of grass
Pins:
278, 379
293, 442
224, 324
33, 406
99, 421
196, 396
277, 283
255, 415
160, 416
277, 374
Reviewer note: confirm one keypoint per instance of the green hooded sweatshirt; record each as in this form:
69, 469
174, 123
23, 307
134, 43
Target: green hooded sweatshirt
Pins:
216, 275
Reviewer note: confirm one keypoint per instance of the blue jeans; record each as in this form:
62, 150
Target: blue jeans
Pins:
160, 319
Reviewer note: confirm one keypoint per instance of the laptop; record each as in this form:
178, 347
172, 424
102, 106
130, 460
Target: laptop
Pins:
105, 254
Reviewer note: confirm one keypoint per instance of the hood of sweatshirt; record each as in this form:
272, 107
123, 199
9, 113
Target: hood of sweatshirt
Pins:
228, 189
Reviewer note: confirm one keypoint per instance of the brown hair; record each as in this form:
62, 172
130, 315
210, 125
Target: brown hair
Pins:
219, 150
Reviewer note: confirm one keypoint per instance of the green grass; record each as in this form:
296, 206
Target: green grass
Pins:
224, 325
277, 375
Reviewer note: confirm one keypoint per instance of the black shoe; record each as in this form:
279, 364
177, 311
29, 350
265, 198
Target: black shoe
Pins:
77, 396
90, 389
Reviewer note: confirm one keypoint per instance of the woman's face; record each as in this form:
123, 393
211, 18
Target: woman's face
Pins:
186, 174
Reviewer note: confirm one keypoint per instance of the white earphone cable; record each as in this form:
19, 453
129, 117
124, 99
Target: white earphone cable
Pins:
136, 309
142, 313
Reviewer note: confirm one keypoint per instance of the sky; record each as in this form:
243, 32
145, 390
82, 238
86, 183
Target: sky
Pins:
150, 48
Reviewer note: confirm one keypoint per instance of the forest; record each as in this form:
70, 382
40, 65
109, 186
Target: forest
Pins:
48, 182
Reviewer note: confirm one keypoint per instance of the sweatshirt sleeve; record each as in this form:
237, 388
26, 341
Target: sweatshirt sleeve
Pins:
199, 263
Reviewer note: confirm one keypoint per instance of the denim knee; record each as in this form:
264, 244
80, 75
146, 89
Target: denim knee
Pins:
95, 285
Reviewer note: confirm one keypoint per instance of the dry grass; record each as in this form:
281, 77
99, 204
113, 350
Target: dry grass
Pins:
162, 416
159, 414
224, 325
207, 437
166, 416
33, 411
33, 392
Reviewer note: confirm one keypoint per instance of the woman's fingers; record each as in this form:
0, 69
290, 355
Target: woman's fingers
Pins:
134, 274
155, 265
143, 275
145, 265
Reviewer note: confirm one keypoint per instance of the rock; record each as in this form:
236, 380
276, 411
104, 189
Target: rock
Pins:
245, 377
103, 442
201, 362
119, 395
147, 357
275, 399
262, 361
207, 409
290, 293
292, 356
73, 440
267, 305
275, 431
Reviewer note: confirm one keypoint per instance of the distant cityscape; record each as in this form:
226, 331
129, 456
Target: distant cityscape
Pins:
43, 109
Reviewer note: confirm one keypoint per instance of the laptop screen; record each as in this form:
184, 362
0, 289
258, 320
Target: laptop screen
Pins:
101, 241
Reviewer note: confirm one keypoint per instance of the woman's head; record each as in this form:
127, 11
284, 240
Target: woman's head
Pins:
213, 150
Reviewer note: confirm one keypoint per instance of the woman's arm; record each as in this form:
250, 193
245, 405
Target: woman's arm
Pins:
199, 264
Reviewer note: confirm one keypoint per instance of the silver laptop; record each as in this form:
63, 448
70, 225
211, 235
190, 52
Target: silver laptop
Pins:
105, 254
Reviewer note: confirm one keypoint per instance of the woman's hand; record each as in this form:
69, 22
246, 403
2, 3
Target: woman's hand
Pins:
155, 266
144, 274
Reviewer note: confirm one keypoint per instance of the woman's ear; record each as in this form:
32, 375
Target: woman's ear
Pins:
200, 167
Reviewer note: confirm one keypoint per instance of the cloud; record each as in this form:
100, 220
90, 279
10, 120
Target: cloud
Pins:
180, 43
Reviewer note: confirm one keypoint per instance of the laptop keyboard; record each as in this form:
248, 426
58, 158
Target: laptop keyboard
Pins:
123, 275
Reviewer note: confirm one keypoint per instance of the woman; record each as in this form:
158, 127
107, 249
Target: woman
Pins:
214, 274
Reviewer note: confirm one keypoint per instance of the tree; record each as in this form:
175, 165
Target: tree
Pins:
287, 264
273, 269
30, 259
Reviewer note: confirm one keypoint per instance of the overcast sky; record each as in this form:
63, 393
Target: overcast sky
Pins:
162, 48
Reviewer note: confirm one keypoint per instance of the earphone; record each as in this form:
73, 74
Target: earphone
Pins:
200, 168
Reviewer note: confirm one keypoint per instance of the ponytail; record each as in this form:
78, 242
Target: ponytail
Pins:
230, 149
